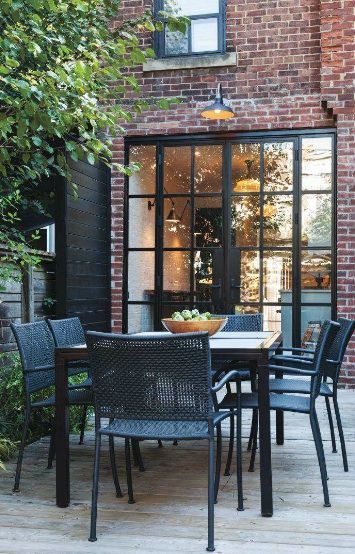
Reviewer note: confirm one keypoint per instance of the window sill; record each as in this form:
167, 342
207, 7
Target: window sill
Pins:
191, 62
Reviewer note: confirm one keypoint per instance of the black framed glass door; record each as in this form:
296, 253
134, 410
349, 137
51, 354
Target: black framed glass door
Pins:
231, 226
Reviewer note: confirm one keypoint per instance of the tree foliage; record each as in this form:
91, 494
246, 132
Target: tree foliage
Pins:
64, 70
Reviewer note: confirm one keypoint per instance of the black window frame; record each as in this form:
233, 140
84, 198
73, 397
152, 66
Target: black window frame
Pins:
159, 37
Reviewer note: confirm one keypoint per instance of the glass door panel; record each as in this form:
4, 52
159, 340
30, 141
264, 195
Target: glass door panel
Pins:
208, 169
177, 170
208, 221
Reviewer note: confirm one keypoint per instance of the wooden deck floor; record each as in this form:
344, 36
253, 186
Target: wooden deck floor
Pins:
170, 512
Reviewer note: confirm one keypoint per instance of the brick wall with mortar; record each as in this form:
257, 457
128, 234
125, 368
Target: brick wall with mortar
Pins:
295, 69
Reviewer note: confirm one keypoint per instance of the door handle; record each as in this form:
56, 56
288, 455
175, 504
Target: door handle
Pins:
217, 286
234, 286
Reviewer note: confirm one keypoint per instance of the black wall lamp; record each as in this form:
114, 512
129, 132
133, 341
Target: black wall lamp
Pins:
218, 110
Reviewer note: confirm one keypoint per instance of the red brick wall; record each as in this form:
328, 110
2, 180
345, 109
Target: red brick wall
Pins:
295, 69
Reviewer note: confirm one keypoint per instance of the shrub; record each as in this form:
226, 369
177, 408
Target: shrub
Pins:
12, 409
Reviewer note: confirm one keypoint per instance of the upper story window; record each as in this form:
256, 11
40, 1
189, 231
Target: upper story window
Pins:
205, 35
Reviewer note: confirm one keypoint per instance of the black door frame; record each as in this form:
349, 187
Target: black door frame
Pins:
226, 140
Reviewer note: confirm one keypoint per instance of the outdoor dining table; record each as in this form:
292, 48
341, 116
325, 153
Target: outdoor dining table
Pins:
252, 347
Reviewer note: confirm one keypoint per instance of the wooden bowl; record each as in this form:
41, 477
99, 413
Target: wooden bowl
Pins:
191, 326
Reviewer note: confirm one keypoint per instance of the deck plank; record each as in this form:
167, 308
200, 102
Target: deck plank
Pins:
171, 508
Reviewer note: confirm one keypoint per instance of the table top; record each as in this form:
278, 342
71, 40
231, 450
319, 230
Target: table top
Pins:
224, 341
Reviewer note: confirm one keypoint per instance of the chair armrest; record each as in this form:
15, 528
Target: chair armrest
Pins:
292, 359
334, 362
304, 350
38, 369
226, 379
293, 370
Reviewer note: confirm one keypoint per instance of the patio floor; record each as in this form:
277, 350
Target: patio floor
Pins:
171, 500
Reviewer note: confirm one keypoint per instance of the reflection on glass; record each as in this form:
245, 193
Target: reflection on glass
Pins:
204, 35
316, 219
246, 167
203, 275
274, 318
177, 170
176, 276
312, 318
246, 309
277, 276
317, 163
176, 42
177, 222
141, 275
143, 181
192, 7
208, 168
278, 220
316, 276
286, 324
140, 318
245, 224
141, 218
208, 221
249, 267
278, 166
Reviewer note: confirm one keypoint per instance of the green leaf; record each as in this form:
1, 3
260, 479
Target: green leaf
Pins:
91, 158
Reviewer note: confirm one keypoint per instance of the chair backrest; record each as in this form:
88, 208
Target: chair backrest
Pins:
338, 348
67, 332
155, 377
326, 337
242, 322
36, 347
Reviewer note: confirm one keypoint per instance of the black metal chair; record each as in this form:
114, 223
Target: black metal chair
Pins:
242, 322
36, 348
300, 404
238, 323
156, 387
69, 332
331, 371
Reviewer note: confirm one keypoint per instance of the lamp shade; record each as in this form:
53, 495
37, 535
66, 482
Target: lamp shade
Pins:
218, 110
172, 217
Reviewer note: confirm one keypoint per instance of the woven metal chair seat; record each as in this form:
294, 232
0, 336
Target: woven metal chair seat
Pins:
297, 386
285, 402
76, 397
157, 429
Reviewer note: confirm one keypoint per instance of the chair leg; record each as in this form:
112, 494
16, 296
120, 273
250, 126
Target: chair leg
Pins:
341, 433
95, 488
254, 443
82, 424
240, 507
227, 470
210, 546
254, 422
51, 450
331, 425
175, 443
20, 452
218, 462
114, 466
136, 451
321, 457
160, 444
129, 472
